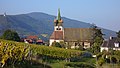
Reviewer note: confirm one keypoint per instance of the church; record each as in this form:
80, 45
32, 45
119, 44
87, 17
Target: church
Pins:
72, 37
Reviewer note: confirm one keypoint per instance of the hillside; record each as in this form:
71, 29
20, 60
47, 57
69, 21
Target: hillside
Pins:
38, 23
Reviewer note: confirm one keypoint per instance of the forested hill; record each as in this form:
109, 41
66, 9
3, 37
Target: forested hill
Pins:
41, 24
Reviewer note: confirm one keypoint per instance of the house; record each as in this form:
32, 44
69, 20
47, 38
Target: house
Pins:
33, 39
111, 43
39, 41
73, 37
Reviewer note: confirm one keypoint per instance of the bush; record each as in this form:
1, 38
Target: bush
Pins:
79, 58
100, 61
56, 44
87, 54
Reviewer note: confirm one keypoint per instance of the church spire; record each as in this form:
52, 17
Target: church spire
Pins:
59, 16
58, 21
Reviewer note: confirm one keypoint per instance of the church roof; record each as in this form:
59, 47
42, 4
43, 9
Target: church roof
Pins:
57, 35
78, 34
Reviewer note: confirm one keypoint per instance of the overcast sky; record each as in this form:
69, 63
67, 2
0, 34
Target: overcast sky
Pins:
104, 13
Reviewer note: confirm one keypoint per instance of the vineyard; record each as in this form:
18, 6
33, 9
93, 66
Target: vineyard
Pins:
14, 52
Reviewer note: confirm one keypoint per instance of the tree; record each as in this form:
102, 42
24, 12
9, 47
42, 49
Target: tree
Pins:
101, 61
118, 34
109, 56
97, 39
10, 35
63, 45
56, 44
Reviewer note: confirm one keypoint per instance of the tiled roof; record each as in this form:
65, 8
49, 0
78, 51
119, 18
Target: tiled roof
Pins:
32, 37
57, 35
78, 34
111, 42
28, 40
39, 40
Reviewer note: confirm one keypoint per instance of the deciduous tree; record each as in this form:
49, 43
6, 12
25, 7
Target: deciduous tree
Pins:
97, 39
10, 35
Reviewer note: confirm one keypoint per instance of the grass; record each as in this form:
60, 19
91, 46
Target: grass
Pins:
88, 60
63, 64
110, 66
58, 65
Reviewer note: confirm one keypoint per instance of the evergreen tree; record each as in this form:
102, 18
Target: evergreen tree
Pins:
10, 35
97, 39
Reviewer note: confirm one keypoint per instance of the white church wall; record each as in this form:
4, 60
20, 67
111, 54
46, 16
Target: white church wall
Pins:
52, 40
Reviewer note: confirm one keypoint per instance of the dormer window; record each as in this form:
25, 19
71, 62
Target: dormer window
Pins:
116, 44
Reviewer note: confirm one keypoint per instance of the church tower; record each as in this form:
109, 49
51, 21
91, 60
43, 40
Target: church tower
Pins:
58, 22
57, 34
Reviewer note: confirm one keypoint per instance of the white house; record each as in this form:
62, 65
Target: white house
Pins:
112, 43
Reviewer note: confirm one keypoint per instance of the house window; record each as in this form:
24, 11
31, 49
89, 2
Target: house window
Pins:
116, 44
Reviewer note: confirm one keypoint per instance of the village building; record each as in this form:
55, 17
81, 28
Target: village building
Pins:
112, 43
33, 39
73, 37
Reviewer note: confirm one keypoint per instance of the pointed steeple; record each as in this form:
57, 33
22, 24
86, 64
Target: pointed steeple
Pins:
58, 21
59, 16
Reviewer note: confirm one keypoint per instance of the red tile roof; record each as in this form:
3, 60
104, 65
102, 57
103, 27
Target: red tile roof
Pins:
57, 35
32, 37
39, 40
28, 40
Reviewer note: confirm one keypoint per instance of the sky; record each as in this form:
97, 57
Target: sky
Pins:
103, 13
